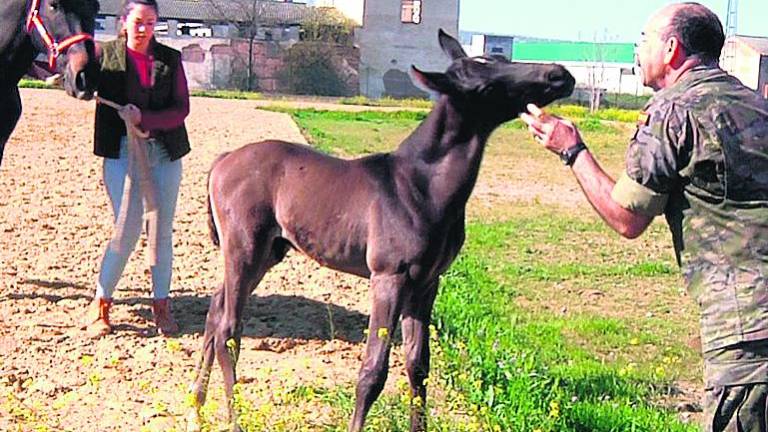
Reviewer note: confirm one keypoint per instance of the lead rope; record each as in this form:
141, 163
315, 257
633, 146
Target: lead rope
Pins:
138, 164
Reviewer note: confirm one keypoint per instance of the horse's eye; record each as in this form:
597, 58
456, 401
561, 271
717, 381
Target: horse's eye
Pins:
54, 6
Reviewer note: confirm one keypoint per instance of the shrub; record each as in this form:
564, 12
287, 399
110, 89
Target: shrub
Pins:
310, 70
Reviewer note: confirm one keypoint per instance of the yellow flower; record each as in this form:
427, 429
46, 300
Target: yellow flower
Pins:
432, 331
554, 409
231, 343
86, 360
382, 332
114, 360
175, 346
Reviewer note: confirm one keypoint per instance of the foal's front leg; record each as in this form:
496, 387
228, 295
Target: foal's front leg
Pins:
417, 313
200, 386
387, 302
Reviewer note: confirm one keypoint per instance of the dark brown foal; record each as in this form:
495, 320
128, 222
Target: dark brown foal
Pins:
396, 218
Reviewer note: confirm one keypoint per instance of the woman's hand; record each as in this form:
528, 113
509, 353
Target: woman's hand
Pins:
130, 114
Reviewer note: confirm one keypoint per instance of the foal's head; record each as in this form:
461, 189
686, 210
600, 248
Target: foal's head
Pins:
492, 88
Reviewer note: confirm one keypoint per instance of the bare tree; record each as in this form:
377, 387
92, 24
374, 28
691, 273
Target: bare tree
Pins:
247, 16
596, 76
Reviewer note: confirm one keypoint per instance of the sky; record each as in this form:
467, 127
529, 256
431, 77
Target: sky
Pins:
591, 20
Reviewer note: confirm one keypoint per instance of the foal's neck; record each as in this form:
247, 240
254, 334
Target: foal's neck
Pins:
445, 153
447, 129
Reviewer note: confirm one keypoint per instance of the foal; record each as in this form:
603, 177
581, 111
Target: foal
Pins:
396, 218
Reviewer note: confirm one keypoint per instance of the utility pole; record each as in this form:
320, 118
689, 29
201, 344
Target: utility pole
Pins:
729, 51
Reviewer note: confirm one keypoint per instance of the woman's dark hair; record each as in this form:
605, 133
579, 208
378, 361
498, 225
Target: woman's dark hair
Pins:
699, 30
125, 9
127, 5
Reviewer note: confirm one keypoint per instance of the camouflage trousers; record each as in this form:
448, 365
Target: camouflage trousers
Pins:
740, 408
737, 388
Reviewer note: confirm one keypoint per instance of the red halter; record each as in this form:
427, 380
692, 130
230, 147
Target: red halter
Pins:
55, 48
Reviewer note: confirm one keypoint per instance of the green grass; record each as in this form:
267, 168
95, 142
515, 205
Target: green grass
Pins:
227, 94
388, 102
36, 84
528, 367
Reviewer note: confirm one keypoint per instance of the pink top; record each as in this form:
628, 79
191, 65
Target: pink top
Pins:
138, 94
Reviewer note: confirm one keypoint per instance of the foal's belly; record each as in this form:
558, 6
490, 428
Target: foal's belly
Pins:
331, 247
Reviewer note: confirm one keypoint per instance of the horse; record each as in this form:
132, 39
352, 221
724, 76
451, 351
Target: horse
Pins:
395, 218
62, 29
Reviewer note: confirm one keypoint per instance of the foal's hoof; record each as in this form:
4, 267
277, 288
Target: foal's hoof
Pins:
193, 421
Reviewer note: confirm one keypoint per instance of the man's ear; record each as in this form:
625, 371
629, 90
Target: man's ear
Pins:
434, 81
673, 51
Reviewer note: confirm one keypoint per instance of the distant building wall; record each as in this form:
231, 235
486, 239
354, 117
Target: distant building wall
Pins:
219, 63
389, 46
611, 77
481, 44
763, 84
745, 65
499, 45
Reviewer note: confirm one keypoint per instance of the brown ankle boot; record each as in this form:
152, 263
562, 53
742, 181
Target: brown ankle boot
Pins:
96, 323
161, 310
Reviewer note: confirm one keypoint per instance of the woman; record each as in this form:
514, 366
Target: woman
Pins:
147, 78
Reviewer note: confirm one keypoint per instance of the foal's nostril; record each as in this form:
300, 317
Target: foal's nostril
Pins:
81, 81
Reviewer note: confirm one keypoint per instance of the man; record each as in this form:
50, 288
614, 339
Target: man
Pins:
700, 156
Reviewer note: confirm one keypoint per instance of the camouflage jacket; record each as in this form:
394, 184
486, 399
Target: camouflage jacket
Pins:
700, 156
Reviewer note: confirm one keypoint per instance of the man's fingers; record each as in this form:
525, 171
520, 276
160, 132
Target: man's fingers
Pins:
527, 118
534, 110
537, 131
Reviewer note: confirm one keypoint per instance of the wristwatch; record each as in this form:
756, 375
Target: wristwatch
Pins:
568, 156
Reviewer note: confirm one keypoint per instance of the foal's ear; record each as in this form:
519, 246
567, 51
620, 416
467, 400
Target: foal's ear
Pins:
450, 46
434, 81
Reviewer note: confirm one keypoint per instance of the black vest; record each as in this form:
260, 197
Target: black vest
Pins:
109, 126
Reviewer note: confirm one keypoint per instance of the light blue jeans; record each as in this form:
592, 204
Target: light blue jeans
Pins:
167, 178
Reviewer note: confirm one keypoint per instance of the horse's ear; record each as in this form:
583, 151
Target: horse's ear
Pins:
434, 81
450, 46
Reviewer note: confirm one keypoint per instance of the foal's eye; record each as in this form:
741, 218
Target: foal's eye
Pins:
53, 6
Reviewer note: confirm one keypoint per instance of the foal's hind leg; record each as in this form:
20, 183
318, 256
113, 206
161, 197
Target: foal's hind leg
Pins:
417, 312
10, 111
387, 302
246, 262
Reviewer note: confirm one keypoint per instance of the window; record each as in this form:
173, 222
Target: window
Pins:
410, 11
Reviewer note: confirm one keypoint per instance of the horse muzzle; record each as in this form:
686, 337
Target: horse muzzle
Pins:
81, 73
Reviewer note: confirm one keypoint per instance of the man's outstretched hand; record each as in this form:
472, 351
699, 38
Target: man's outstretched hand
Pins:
554, 133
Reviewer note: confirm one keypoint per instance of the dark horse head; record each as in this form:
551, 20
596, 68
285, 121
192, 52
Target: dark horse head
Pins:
64, 30
495, 88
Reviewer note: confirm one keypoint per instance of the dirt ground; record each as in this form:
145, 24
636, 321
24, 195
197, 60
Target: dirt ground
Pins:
54, 224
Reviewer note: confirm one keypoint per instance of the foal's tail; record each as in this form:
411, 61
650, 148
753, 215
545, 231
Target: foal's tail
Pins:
211, 219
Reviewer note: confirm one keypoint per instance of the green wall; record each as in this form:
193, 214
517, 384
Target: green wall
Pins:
574, 51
